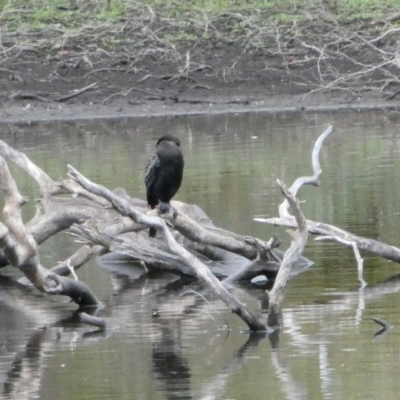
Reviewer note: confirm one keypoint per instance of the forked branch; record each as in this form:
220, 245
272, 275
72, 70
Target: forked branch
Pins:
21, 250
201, 270
297, 244
306, 180
348, 239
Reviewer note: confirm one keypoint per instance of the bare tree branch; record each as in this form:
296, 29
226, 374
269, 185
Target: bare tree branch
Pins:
46, 184
123, 207
360, 261
305, 180
372, 246
297, 244
21, 250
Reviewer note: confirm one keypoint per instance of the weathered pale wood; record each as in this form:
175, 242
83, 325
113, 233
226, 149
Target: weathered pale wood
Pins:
266, 261
46, 184
298, 242
123, 207
21, 250
306, 180
212, 236
78, 259
93, 320
360, 261
348, 239
56, 214
372, 246
299, 237
90, 213
138, 249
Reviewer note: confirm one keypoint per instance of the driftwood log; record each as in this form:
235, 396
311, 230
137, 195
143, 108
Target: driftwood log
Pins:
298, 237
113, 222
201, 270
298, 242
329, 232
188, 244
21, 249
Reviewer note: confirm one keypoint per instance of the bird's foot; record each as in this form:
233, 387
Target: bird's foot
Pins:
164, 207
167, 208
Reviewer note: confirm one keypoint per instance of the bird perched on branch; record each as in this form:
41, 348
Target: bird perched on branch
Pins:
163, 175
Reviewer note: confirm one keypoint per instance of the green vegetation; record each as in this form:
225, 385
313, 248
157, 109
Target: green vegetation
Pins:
113, 23
68, 14
185, 38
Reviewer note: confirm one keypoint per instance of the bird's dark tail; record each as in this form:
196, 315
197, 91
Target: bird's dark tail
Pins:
152, 232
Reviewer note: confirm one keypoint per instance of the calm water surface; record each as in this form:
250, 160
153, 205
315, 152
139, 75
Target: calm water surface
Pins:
326, 348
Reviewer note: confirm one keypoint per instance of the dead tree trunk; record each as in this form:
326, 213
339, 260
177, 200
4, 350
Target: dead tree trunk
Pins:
330, 232
202, 271
21, 250
19, 242
298, 238
298, 242
372, 246
113, 222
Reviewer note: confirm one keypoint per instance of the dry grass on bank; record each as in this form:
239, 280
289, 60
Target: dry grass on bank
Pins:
316, 45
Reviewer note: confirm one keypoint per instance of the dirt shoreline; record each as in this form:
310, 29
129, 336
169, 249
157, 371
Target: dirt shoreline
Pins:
30, 112
246, 63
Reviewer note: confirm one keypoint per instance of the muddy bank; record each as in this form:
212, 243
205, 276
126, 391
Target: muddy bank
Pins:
145, 63
32, 111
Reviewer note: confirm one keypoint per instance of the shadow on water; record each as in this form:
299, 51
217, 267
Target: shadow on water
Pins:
163, 340
170, 357
170, 363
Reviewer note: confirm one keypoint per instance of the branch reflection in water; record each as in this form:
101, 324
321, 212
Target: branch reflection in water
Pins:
172, 369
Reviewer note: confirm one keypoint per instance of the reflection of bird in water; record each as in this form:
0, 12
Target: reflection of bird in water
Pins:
163, 175
170, 362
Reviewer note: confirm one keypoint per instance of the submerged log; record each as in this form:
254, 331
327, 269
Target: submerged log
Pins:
188, 244
329, 232
201, 270
107, 229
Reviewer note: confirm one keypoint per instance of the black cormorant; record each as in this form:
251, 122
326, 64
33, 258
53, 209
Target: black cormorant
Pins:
163, 175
